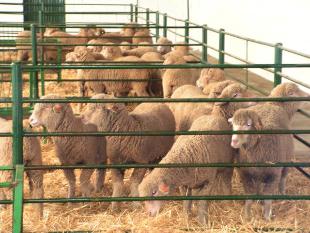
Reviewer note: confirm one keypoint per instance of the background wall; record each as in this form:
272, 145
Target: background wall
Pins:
273, 21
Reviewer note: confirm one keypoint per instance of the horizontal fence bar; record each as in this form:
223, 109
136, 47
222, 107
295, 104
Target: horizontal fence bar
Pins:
295, 52
162, 100
6, 168
170, 198
250, 40
188, 66
163, 133
6, 185
167, 165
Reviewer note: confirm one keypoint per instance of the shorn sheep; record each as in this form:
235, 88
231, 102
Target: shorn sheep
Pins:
197, 149
174, 78
31, 155
59, 117
131, 149
186, 113
118, 88
255, 148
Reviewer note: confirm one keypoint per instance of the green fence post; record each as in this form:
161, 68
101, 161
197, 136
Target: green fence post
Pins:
136, 13
186, 33
41, 23
18, 199
147, 17
157, 25
34, 74
17, 116
165, 25
221, 46
277, 61
131, 12
205, 43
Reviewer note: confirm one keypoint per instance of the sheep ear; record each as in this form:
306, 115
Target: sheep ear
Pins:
163, 188
57, 108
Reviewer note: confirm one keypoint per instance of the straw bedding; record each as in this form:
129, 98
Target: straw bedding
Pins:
225, 216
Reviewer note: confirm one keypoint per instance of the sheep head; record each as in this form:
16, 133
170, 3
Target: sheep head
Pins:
208, 76
165, 45
245, 119
49, 115
152, 186
99, 113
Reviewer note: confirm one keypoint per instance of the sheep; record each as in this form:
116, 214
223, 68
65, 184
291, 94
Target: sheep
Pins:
186, 113
142, 35
93, 47
179, 50
154, 86
164, 45
197, 149
208, 76
31, 156
265, 148
125, 46
59, 117
111, 52
131, 149
8, 56
119, 88
174, 78
140, 50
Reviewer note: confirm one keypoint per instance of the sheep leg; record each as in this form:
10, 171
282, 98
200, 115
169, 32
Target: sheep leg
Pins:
203, 204
282, 183
118, 186
86, 186
247, 209
81, 93
270, 188
248, 182
135, 179
100, 176
223, 180
187, 204
36, 188
71, 179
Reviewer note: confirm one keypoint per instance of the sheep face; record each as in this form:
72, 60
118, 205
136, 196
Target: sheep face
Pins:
216, 91
94, 113
244, 120
165, 45
111, 52
210, 76
47, 114
149, 188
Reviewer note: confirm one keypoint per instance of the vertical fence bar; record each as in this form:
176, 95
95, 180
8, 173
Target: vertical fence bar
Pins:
278, 61
165, 25
18, 199
17, 116
221, 46
41, 23
131, 12
186, 32
136, 13
157, 25
147, 17
34, 74
205, 43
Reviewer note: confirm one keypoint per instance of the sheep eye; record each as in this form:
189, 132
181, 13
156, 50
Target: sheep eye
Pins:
235, 95
217, 93
154, 192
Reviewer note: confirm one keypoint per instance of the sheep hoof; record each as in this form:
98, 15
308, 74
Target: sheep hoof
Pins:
203, 219
115, 207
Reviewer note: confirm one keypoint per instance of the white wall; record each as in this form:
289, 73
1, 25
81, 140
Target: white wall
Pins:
284, 21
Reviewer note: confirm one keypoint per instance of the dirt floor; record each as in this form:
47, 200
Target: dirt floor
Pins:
224, 216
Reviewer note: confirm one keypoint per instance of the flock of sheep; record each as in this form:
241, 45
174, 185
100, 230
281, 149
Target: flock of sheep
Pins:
176, 83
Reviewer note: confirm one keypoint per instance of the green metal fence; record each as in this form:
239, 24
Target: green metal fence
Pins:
160, 24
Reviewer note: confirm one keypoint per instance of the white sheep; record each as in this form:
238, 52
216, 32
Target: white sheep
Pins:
59, 117
115, 117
